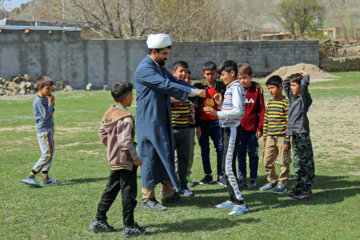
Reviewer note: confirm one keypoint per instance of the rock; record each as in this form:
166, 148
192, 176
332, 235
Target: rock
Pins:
88, 87
22, 85
2, 80
16, 79
69, 88
28, 84
24, 77
13, 86
105, 87
22, 91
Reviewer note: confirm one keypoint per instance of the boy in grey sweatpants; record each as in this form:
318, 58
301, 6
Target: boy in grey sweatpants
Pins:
43, 106
232, 110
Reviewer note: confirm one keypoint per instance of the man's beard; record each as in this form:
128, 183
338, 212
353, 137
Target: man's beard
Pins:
161, 62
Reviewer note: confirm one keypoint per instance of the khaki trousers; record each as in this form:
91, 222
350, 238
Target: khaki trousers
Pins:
275, 148
149, 193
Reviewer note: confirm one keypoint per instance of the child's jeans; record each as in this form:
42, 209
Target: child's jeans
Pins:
46, 144
275, 148
303, 161
182, 148
248, 144
231, 138
125, 181
210, 128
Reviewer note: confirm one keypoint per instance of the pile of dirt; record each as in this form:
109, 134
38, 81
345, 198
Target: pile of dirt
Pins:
24, 84
313, 70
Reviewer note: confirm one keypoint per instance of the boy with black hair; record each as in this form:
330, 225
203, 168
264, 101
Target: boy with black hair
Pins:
276, 143
251, 124
232, 110
181, 117
43, 106
117, 132
208, 125
296, 89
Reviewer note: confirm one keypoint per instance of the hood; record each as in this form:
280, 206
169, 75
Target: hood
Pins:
112, 116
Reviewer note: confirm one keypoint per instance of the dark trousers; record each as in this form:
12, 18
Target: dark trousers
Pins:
210, 129
303, 161
182, 148
125, 181
248, 144
231, 138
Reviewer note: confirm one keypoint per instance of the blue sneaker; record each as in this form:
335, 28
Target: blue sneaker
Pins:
268, 186
30, 181
221, 181
239, 210
226, 204
50, 181
186, 192
280, 189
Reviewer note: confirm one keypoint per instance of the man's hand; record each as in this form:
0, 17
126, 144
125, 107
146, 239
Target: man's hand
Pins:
258, 134
198, 133
201, 93
138, 162
51, 100
210, 110
218, 99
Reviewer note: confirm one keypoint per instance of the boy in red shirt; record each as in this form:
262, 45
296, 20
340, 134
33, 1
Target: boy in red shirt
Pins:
251, 123
208, 125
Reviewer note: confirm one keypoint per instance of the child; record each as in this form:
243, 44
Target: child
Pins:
43, 106
208, 125
276, 143
191, 136
117, 133
180, 116
251, 124
296, 89
232, 110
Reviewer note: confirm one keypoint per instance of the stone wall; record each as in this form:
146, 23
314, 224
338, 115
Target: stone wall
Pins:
65, 56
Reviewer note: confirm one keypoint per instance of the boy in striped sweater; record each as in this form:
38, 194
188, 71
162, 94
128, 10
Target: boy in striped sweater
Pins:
276, 143
181, 117
232, 110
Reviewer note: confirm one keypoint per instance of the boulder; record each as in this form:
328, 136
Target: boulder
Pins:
68, 88
88, 87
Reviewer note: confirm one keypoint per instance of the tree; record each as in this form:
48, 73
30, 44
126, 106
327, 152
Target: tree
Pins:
300, 17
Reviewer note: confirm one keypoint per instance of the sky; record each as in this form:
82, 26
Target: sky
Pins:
11, 4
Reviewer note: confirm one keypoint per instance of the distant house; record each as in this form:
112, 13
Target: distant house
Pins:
276, 36
342, 33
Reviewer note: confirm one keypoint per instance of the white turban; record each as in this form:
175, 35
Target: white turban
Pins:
158, 41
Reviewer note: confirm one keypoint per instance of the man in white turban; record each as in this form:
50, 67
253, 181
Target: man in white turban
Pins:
154, 85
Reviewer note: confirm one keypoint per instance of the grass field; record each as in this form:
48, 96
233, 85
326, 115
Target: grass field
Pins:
65, 211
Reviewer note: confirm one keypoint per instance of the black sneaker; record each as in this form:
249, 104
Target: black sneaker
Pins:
133, 231
293, 193
302, 197
206, 180
98, 226
153, 204
242, 182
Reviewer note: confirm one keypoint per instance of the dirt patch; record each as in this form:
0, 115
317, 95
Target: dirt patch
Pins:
89, 152
335, 129
25, 128
314, 71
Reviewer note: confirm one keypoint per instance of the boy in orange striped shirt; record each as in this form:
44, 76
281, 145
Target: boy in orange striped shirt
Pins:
276, 143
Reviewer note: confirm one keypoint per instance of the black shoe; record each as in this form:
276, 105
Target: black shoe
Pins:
174, 198
153, 204
206, 180
97, 226
133, 231
242, 182
293, 193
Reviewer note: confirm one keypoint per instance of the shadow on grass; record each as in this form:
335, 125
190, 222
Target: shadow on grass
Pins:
83, 180
326, 190
202, 224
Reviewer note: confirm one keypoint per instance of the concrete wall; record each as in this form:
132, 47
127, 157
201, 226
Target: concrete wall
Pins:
65, 56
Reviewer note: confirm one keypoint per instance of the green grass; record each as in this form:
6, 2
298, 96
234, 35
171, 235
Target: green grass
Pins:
65, 211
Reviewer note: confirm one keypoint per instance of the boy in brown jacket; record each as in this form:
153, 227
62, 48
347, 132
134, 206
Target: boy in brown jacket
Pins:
117, 132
